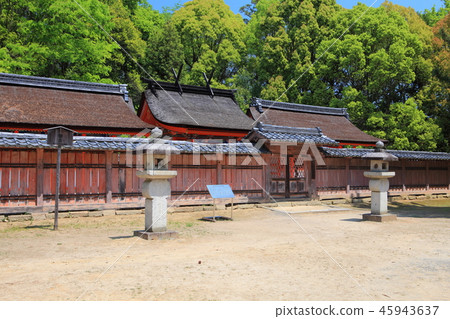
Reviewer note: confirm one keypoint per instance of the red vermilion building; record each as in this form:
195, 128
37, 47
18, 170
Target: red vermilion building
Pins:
193, 112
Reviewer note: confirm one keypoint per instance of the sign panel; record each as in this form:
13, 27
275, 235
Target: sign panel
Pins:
220, 191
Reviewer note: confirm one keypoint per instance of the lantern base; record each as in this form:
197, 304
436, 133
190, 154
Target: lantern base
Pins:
379, 218
147, 235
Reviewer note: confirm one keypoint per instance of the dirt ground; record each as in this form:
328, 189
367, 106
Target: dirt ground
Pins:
261, 255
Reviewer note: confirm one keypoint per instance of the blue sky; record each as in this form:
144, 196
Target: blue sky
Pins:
418, 5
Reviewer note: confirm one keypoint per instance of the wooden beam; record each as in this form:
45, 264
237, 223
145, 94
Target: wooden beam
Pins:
108, 176
39, 177
287, 179
403, 176
348, 175
219, 172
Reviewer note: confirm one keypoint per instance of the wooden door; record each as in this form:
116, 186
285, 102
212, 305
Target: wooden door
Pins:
288, 179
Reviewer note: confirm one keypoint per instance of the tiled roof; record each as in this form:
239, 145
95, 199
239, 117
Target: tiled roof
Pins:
225, 148
334, 122
285, 106
21, 140
295, 134
36, 81
410, 155
28, 101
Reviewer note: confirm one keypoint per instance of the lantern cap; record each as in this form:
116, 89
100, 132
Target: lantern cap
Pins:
380, 154
59, 127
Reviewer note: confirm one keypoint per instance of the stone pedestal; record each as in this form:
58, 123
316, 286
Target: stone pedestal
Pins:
156, 190
379, 186
379, 218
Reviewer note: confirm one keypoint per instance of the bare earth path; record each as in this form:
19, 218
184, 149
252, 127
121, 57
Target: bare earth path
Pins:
261, 255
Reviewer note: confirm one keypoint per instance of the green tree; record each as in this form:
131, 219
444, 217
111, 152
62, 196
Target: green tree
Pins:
379, 56
434, 98
275, 90
408, 128
124, 65
212, 39
55, 38
148, 21
164, 51
431, 17
283, 38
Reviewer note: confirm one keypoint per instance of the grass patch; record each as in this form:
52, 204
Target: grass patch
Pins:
11, 229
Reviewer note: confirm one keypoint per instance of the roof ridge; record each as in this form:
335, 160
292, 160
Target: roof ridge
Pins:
43, 82
186, 88
29, 140
288, 129
259, 103
399, 153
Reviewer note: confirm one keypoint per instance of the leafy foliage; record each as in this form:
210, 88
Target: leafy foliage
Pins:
432, 16
386, 65
211, 35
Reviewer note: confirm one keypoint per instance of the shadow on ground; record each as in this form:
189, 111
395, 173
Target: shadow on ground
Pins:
415, 209
39, 227
352, 220
120, 237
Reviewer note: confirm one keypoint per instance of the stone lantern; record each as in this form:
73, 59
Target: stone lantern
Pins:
379, 183
156, 189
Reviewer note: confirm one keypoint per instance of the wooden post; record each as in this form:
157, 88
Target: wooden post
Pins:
287, 186
232, 207
347, 174
427, 174
403, 176
219, 172
267, 177
448, 174
108, 176
58, 173
40, 177
214, 212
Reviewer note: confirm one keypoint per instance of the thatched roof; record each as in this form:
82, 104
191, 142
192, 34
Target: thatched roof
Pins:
43, 102
334, 122
195, 106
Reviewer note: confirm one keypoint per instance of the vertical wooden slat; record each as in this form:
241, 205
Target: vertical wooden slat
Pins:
71, 171
108, 176
347, 174
403, 176
448, 174
39, 177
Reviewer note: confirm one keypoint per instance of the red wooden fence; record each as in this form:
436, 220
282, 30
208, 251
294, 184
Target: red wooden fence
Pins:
102, 179
344, 177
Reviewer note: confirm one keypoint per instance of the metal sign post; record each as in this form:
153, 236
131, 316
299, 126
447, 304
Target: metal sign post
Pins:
220, 191
59, 136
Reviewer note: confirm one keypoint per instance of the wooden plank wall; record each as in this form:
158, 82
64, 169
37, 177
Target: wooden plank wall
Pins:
242, 173
345, 176
103, 179
17, 177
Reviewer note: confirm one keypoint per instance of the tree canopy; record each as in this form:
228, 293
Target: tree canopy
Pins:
388, 66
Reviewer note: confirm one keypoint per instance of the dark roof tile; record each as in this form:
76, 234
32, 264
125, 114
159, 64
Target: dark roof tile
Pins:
21, 140
410, 155
299, 135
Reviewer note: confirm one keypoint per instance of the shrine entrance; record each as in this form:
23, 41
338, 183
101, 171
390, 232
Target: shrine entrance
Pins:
288, 177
